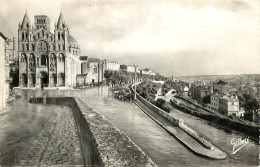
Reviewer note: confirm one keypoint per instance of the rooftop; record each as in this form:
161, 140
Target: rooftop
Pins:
220, 82
3, 36
72, 40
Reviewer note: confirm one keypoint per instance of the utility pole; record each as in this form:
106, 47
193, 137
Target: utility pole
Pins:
135, 82
7, 59
13, 49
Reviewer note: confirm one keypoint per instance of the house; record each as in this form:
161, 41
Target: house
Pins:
226, 104
92, 69
198, 91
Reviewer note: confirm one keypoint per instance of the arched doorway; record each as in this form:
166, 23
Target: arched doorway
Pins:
43, 79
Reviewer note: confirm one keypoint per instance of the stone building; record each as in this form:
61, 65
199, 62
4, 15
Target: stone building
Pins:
4, 71
47, 59
92, 71
226, 104
198, 91
112, 65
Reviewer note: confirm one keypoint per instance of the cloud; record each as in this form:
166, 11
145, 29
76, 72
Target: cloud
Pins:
180, 37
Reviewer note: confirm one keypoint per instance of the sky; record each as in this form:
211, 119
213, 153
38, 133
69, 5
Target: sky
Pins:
173, 38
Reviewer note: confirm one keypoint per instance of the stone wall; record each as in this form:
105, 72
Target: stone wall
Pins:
222, 120
201, 138
4, 86
158, 110
101, 142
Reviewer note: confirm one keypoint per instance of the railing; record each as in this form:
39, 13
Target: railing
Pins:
39, 85
195, 133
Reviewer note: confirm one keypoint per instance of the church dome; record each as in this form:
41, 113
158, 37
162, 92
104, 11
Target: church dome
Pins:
72, 40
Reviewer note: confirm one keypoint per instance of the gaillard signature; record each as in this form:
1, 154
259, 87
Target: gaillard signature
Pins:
238, 143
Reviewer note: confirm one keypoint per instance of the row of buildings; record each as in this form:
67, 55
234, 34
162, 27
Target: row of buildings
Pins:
115, 66
219, 99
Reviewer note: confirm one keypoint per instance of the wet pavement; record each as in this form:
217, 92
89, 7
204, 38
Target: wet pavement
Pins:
58, 142
35, 134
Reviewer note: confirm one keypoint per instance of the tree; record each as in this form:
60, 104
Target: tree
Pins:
242, 99
206, 99
251, 102
160, 102
107, 75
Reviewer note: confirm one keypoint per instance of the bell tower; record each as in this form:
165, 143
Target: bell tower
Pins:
42, 21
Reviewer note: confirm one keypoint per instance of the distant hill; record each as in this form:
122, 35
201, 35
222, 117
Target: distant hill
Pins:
227, 78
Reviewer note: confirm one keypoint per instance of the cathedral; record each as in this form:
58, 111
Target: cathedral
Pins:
47, 59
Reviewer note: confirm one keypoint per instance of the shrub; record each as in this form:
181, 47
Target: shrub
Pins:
166, 107
161, 103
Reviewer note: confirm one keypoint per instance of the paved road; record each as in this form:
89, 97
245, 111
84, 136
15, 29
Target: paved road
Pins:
58, 142
37, 134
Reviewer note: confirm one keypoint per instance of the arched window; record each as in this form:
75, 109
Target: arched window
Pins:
95, 69
43, 60
26, 35
31, 59
27, 47
61, 57
58, 36
23, 57
22, 36
38, 35
42, 33
62, 35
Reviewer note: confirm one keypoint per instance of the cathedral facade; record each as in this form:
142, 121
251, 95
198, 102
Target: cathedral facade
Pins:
47, 59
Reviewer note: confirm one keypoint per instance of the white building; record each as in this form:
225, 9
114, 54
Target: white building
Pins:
132, 69
226, 104
113, 66
185, 89
4, 71
147, 71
